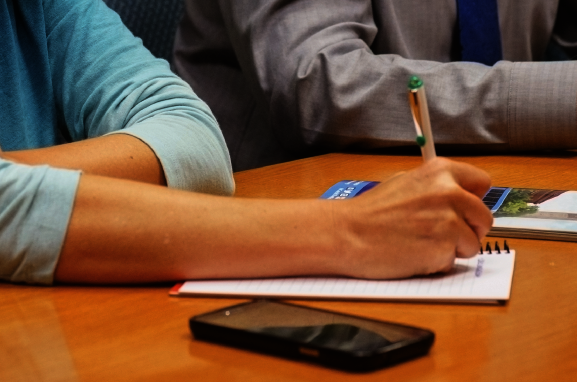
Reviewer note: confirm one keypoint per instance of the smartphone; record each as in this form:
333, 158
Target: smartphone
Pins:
329, 338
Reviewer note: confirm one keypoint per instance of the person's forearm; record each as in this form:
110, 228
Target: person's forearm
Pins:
117, 156
128, 232
416, 223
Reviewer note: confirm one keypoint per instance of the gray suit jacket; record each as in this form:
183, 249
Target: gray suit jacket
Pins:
292, 78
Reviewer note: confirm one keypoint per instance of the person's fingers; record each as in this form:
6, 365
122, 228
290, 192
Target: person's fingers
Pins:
474, 213
469, 177
467, 242
445, 260
466, 245
472, 179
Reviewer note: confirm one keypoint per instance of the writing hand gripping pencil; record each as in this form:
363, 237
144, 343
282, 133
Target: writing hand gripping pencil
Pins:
415, 223
418, 222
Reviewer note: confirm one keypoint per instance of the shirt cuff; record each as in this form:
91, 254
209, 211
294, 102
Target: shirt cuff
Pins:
35, 208
542, 105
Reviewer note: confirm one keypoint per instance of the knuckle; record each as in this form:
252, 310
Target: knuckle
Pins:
441, 162
438, 166
440, 224
448, 218
452, 192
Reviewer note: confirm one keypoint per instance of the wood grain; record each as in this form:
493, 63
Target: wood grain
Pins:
72, 333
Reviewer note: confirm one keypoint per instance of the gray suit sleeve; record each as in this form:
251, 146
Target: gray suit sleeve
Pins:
311, 62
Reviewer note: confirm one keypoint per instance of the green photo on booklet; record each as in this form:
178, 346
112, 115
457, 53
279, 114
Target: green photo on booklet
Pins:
533, 213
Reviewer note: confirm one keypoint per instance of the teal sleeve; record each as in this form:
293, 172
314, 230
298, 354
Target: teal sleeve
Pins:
35, 207
105, 82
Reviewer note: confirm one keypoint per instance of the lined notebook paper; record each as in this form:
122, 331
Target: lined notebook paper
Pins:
483, 278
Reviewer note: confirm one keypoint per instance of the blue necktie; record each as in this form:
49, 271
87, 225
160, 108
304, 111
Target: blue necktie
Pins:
479, 29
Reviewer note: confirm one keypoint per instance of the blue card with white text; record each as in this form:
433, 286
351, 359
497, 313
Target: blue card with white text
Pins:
346, 189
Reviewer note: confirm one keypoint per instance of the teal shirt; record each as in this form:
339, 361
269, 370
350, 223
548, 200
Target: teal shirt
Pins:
70, 70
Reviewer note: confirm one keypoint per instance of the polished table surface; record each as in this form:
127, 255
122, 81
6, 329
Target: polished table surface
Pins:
70, 333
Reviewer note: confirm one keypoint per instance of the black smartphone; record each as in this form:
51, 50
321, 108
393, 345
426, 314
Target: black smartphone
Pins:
321, 336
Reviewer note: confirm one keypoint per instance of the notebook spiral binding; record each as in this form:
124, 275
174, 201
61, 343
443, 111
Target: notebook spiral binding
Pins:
496, 249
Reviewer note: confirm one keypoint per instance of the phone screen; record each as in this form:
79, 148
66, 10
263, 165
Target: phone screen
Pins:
316, 328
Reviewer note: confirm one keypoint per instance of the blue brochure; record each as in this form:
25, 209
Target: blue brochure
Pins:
346, 189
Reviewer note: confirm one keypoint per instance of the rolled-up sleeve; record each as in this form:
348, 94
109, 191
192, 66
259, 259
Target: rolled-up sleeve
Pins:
106, 82
35, 207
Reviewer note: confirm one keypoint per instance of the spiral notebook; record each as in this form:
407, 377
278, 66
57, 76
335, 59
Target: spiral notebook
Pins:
484, 278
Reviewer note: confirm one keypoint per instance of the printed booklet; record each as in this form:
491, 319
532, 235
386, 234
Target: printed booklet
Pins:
527, 213
533, 213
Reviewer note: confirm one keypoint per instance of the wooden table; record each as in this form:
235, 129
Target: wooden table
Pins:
69, 333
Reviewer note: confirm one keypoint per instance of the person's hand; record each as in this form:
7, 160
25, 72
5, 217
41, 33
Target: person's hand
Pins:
415, 223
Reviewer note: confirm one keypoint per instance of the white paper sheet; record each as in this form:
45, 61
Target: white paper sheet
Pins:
483, 278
